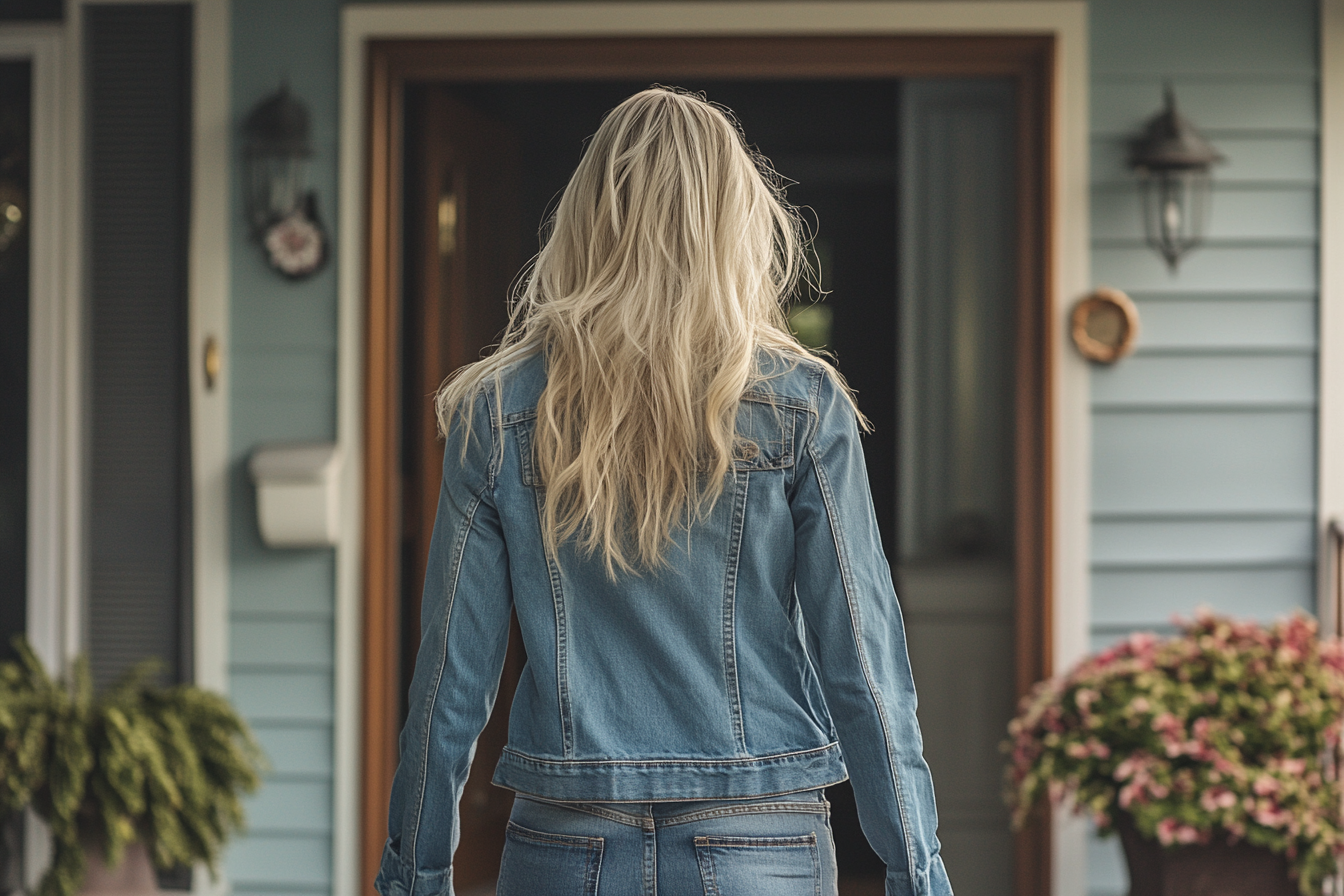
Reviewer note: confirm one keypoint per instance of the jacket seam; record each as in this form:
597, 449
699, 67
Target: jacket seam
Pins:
450, 585
752, 760
731, 682
496, 447
561, 638
846, 577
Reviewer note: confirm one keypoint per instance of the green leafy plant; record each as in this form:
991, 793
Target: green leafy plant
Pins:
164, 765
1225, 731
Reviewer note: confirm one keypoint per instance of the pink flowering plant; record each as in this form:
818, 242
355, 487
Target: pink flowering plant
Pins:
1226, 731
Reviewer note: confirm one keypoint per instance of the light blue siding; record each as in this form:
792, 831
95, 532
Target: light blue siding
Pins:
283, 366
291, 804
1220, 380
1256, 159
281, 643
1285, 214
1226, 323
1177, 462
1240, 105
1204, 440
1123, 543
296, 750
270, 862
293, 582
1131, 598
1244, 267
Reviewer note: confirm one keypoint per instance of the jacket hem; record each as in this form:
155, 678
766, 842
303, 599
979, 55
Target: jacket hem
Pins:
657, 780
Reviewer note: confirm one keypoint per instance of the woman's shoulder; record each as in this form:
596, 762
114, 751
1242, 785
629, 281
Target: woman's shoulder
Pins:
521, 383
786, 377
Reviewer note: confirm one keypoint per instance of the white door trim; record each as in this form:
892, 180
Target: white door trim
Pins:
1071, 486
1330, 378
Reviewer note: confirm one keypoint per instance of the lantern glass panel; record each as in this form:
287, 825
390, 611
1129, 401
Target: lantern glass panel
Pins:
1175, 211
278, 188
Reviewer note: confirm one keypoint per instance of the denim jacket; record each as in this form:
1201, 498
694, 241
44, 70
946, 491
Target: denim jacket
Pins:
767, 656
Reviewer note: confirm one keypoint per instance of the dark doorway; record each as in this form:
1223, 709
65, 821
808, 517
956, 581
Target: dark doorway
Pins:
15, 183
15, 142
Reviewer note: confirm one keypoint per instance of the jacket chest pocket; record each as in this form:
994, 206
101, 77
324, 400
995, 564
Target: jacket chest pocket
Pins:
764, 437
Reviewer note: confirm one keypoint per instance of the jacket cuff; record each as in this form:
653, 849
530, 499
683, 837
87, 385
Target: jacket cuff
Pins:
930, 882
396, 878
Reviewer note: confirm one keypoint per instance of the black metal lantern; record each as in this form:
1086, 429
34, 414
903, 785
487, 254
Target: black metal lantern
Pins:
1172, 161
280, 208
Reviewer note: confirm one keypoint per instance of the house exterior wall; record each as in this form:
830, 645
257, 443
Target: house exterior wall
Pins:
1204, 441
1204, 458
283, 359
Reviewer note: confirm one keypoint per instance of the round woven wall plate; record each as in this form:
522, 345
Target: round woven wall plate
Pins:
1105, 325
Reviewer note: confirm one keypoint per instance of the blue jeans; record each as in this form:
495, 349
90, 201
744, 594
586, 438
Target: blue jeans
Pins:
773, 846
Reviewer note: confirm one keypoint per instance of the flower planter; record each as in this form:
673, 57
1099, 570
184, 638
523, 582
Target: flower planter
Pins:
134, 876
1213, 869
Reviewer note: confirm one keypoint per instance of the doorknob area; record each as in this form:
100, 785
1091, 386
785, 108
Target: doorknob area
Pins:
211, 362
447, 224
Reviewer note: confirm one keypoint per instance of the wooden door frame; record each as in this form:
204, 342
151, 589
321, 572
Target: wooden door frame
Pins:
393, 64
370, 285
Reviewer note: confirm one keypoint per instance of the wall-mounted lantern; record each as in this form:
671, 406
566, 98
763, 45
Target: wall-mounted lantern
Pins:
281, 210
1172, 161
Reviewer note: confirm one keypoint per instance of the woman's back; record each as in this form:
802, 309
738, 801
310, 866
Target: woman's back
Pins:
674, 649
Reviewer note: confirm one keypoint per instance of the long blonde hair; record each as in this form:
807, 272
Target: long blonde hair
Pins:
669, 256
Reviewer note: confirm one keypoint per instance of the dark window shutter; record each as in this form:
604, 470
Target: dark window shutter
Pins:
139, 126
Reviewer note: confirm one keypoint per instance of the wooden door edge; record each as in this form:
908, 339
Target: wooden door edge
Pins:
1034, 462
382, 501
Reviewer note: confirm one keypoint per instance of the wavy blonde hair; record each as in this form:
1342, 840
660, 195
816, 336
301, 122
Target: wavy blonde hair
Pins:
669, 256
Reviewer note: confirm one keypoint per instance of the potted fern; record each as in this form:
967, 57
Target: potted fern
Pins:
138, 763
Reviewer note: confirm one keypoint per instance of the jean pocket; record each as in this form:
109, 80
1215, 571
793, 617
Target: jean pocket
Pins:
540, 864
759, 866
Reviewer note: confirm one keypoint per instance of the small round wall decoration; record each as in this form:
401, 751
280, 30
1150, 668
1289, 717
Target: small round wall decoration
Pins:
1105, 325
295, 245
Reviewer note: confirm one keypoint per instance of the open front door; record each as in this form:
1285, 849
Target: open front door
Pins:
974, 562
462, 253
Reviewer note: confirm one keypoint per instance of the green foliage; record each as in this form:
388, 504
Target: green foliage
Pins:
165, 765
1229, 730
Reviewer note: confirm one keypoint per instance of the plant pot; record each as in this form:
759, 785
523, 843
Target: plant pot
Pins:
1213, 869
133, 877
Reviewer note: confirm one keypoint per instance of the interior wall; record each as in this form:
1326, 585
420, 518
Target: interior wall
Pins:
1204, 458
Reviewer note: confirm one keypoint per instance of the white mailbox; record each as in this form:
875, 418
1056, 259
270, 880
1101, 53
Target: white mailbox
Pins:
298, 493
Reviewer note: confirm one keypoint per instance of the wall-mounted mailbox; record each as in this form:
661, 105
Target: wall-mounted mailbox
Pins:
298, 497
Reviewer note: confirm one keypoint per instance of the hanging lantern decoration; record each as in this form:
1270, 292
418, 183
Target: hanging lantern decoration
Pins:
1172, 161
281, 209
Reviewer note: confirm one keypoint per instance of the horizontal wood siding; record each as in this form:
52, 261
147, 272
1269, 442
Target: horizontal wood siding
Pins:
1204, 440
283, 357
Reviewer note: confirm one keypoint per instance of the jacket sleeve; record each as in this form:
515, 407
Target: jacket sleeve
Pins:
857, 641
465, 625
